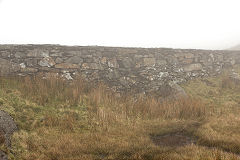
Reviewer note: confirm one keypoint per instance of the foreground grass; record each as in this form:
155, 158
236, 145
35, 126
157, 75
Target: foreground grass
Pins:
59, 121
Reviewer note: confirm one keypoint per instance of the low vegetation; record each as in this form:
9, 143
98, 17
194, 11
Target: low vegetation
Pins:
60, 120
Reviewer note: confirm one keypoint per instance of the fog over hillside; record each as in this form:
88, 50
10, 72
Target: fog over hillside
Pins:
237, 47
122, 23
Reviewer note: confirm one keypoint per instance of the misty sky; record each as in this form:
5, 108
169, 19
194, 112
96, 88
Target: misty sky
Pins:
207, 24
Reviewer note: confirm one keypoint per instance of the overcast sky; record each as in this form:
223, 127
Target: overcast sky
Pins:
207, 24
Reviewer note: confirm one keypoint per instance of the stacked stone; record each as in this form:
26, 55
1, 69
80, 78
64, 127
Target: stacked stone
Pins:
141, 69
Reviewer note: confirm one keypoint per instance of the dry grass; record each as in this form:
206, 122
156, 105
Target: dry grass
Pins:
48, 91
59, 120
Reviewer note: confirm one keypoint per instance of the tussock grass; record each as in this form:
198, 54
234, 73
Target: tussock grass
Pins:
61, 120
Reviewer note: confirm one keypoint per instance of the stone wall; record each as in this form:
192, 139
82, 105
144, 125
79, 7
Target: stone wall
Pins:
142, 69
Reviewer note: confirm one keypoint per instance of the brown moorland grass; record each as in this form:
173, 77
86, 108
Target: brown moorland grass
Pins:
59, 120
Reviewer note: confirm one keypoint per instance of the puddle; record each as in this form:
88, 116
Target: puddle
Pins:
173, 140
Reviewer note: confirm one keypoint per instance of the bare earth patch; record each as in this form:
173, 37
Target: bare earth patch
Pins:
176, 139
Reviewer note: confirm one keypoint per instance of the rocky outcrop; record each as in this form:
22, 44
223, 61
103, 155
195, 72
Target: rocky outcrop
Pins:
177, 91
140, 69
171, 91
7, 127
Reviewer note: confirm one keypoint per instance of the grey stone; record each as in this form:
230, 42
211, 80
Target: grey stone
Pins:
93, 66
127, 62
31, 62
113, 74
179, 55
123, 81
172, 60
38, 53
7, 127
163, 74
188, 55
196, 59
88, 60
170, 91
149, 61
75, 60
232, 62
178, 91
57, 54
47, 62
22, 65
66, 66
67, 75
87, 56
138, 56
187, 61
20, 55
161, 62
29, 70
6, 54
59, 60
72, 53
220, 58
112, 63
7, 67
193, 67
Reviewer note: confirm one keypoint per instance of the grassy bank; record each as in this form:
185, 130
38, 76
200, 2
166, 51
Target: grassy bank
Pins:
65, 121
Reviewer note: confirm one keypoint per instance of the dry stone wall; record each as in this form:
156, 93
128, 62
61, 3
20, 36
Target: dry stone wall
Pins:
141, 69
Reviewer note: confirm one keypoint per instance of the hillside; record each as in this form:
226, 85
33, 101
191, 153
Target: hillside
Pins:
59, 121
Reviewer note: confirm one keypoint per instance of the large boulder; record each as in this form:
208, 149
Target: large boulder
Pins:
171, 91
177, 91
193, 67
7, 127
